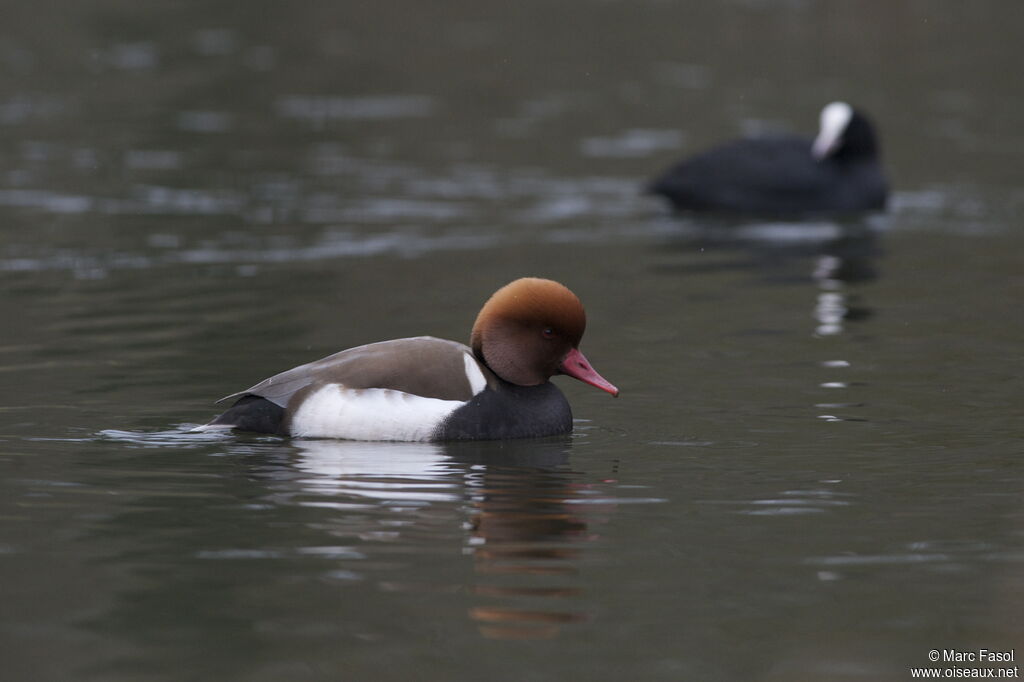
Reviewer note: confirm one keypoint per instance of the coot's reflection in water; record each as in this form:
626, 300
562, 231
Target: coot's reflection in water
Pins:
514, 502
838, 256
841, 264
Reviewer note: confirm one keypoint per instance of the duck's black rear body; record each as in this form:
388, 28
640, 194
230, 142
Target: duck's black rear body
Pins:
253, 413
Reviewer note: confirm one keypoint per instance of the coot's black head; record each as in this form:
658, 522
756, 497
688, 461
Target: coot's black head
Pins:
845, 134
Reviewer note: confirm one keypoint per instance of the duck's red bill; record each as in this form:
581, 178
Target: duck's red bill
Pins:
578, 367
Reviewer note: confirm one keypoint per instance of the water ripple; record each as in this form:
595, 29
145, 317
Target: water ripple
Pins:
878, 559
331, 244
632, 143
792, 502
318, 109
181, 437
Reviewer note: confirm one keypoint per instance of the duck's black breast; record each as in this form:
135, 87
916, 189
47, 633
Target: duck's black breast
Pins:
505, 410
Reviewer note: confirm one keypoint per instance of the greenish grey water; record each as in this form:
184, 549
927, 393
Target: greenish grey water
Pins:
814, 469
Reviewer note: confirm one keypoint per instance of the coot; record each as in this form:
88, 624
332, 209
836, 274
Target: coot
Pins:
837, 172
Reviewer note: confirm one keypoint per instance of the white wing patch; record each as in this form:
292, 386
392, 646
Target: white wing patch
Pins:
477, 380
334, 411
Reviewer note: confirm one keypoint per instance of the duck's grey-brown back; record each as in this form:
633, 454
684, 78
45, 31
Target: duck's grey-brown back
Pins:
423, 366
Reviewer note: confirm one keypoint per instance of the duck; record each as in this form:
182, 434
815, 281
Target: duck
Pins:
430, 389
839, 171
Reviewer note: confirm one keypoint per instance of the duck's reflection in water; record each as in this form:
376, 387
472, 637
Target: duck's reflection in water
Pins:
410, 472
526, 537
518, 505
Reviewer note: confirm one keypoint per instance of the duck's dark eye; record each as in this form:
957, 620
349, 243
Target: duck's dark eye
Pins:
548, 333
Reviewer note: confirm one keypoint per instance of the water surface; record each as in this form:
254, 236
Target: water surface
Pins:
813, 471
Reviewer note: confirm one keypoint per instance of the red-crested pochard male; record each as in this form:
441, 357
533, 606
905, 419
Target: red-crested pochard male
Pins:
429, 389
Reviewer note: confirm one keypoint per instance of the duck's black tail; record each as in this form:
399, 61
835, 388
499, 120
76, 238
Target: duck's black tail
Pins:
251, 413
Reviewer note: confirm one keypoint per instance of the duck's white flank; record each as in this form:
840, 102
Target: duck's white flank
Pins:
834, 119
334, 411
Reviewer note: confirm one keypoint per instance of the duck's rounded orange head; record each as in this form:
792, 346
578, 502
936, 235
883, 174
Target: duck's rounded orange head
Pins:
530, 330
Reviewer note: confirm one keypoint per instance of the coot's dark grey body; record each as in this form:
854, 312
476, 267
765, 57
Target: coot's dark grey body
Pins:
839, 172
